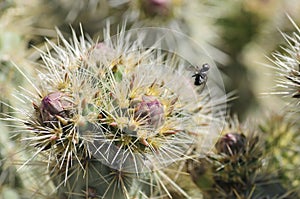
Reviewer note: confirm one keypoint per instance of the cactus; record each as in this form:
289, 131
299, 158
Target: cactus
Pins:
134, 115
286, 64
236, 168
280, 130
105, 118
281, 148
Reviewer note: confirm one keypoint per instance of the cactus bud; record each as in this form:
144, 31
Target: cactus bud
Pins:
151, 111
231, 143
91, 193
157, 7
54, 104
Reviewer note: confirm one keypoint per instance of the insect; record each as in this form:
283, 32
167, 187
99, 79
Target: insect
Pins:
201, 74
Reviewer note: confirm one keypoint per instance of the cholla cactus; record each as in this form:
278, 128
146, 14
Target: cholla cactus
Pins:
287, 64
280, 131
105, 118
281, 149
236, 169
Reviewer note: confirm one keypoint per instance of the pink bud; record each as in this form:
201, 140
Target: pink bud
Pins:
54, 104
157, 7
231, 143
160, 2
150, 110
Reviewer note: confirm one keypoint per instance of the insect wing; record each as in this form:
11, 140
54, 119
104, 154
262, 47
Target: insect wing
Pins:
192, 68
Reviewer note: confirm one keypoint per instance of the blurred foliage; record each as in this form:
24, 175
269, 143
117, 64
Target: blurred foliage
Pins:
10, 46
10, 181
237, 29
5, 4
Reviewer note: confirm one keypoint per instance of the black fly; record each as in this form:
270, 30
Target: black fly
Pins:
201, 74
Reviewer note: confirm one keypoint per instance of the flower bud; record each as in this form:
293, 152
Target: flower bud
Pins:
231, 143
157, 7
54, 104
150, 110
